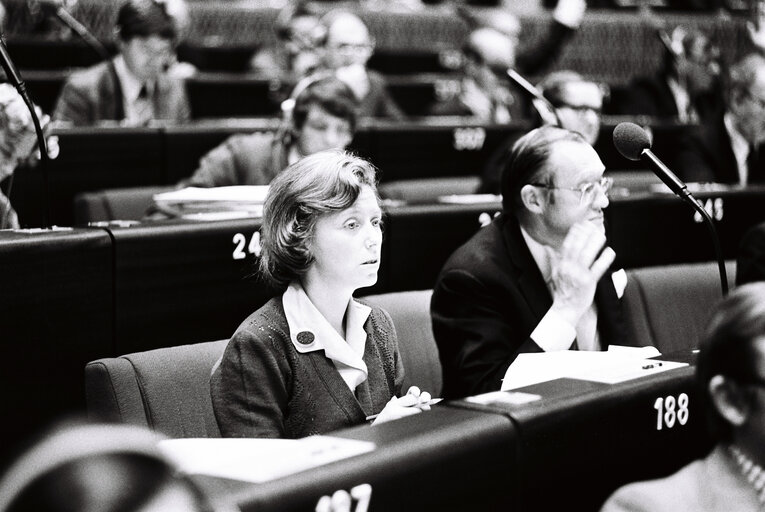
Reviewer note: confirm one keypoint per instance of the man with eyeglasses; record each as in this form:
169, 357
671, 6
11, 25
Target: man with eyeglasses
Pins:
578, 104
730, 372
728, 148
346, 51
137, 86
536, 278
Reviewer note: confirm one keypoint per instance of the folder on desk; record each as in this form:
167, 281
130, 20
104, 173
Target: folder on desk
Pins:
258, 460
618, 364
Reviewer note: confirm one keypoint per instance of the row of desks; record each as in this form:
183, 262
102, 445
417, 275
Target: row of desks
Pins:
102, 158
567, 451
74, 295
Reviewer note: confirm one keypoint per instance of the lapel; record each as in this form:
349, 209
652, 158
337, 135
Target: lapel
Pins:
721, 145
529, 278
611, 326
110, 94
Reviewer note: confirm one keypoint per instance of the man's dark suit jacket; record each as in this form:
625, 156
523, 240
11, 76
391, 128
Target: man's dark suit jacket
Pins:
489, 297
705, 155
750, 264
651, 96
91, 95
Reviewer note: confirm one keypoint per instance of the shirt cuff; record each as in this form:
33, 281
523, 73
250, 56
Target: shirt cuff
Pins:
553, 332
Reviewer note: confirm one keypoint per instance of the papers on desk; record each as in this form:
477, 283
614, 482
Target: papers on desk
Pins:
470, 198
246, 200
258, 460
618, 364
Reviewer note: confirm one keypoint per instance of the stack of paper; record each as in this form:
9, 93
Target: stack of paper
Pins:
245, 199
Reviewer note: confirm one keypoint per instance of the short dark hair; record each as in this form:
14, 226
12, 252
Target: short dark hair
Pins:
527, 163
728, 349
327, 181
144, 18
330, 94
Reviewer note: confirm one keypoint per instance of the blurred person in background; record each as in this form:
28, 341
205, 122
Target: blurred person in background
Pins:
103, 468
320, 115
578, 106
143, 82
299, 32
727, 148
18, 143
486, 93
687, 87
347, 47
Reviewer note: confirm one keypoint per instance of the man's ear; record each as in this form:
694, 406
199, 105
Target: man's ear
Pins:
729, 400
533, 199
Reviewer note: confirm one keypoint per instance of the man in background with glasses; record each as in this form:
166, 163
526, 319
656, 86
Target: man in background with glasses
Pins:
537, 278
727, 149
346, 51
730, 373
138, 85
578, 104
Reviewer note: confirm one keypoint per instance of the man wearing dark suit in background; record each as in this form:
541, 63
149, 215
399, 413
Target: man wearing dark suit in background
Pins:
135, 87
728, 148
536, 278
486, 93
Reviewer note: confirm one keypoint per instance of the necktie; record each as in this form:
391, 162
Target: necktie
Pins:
144, 110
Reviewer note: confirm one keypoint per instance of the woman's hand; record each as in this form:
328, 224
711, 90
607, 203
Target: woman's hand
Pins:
412, 402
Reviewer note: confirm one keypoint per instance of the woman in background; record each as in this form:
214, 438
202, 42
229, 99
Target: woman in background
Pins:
314, 359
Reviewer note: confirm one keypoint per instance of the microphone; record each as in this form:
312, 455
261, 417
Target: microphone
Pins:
58, 9
549, 116
634, 144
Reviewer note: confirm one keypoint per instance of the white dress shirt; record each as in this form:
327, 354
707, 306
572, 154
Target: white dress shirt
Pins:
554, 332
310, 331
740, 148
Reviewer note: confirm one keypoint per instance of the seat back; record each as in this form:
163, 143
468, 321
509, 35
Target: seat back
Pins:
669, 306
167, 389
410, 312
428, 189
115, 204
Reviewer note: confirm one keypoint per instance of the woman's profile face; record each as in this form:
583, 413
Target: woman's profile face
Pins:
346, 244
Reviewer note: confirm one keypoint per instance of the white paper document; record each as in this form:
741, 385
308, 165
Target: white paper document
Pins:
258, 460
238, 194
618, 364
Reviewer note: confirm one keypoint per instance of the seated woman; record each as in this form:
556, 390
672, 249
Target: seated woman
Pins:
314, 359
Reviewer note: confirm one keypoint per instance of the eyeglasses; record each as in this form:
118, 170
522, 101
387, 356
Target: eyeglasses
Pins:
587, 191
582, 109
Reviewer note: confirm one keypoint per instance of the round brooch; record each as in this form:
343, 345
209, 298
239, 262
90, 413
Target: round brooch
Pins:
305, 337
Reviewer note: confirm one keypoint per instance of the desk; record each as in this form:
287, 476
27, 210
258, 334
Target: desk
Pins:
447, 459
568, 451
177, 282
90, 159
585, 439
660, 229
56, 313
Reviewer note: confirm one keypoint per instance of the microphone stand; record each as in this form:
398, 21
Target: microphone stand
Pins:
15, 78
535, 94
681, 190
